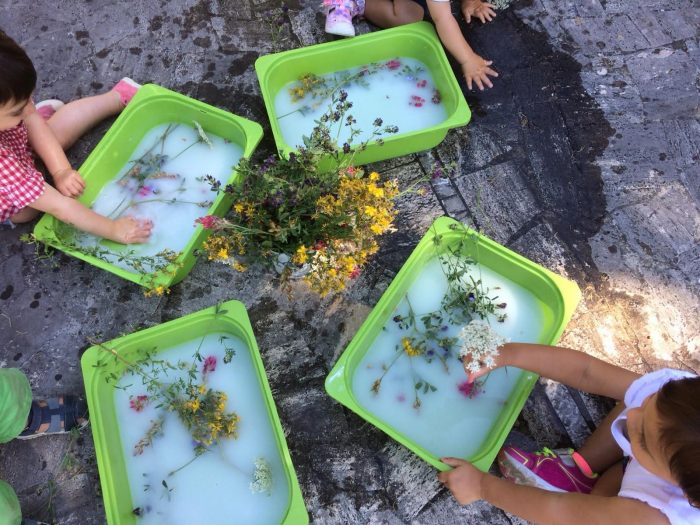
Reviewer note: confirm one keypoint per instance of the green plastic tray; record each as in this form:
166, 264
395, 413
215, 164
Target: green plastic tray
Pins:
232, 318
417, 41
153, 105
560, 296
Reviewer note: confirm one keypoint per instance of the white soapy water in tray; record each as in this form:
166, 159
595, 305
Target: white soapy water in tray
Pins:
215, 488
448, 422
401, 92
167, 187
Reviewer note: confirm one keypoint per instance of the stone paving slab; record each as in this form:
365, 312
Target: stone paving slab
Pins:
584, 158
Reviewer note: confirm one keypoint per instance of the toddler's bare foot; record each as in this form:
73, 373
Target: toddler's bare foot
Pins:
128, 230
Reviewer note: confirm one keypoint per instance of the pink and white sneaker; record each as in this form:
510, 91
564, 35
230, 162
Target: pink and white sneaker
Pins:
47, 108
126, 88
547, 469
339, 15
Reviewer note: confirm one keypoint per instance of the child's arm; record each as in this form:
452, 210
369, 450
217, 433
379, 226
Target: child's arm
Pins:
566, 366
126, 230
476, 69
46, 145
469, 484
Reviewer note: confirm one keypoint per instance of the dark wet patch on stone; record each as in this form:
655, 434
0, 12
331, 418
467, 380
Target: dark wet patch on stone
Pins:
561, 129
204, 42
156, 23
7, 292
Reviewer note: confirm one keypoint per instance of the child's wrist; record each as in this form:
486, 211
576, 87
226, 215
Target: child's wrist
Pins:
61, 172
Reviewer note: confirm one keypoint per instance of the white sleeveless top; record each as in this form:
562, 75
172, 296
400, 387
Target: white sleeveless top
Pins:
637, 482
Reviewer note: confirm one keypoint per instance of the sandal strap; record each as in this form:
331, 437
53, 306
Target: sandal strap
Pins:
58, 415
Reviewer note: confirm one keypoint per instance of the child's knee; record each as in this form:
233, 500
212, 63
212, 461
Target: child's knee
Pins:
24, 215
407, 12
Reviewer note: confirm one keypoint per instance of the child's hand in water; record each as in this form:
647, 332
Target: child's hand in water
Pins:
128, 230
477, 71
69, 182
478, 9
463, 481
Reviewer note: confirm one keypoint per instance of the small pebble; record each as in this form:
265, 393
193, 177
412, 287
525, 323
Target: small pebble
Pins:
602, 71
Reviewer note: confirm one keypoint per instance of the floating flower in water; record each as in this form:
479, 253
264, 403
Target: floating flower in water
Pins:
209, 365
262, 477
401, 398
145, 191
209, 222
203, 136
138, 403
437, 97
393, 64
470, 390
480, 343
422, 83
416, 101
409, 348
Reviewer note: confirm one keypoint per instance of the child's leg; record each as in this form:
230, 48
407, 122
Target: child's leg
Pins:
24, 215
71, 121
600, 450
392, 13
609, 482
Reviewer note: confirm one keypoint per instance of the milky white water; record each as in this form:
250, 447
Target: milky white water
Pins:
401, 92
168, 189
215, 488
448, 423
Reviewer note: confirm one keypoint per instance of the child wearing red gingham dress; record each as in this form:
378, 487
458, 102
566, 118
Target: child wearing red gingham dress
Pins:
20, 182
45, 131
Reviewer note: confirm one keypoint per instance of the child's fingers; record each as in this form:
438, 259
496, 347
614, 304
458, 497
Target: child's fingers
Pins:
486, 80
453, 462
479, 83
491, 72
469, 83
490, 6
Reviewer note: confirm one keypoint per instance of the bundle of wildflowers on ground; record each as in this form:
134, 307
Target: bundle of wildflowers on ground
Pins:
312, 209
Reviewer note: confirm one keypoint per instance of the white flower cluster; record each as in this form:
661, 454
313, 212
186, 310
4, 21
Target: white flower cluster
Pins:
262, 477
479, 341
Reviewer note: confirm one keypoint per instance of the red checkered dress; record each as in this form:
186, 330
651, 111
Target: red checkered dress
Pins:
20, 182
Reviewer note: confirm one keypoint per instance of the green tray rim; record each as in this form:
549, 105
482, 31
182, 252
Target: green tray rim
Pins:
146, 94
237, 315
338, 381
419, 30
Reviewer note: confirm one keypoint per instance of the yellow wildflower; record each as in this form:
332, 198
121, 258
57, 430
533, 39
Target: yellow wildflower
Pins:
411, 351
222, 253
301, 256
238, 207
239, 267
374, 176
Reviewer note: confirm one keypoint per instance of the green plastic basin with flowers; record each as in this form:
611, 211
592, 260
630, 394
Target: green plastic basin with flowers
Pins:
417, 41
551, 294
102, 373
152, 106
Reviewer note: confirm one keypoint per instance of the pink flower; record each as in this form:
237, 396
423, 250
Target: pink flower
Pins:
355, 272
470, 390
401, 398
145, 191
209, 222
393, 64
422, 83
138, 403
209, 365
416, 101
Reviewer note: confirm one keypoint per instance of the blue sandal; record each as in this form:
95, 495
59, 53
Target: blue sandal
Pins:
56, 415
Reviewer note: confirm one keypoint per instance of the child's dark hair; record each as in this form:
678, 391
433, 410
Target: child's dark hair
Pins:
679, 411
18, 78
